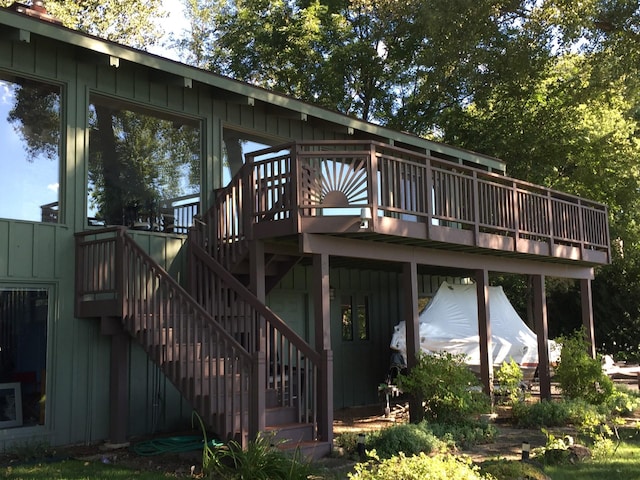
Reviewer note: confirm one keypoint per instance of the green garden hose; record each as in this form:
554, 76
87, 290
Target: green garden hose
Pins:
180, 444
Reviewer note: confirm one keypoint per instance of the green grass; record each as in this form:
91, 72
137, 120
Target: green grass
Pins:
623, 465
75, 470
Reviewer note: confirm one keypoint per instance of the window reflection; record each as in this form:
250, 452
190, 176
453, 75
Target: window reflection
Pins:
30, 135
144, 167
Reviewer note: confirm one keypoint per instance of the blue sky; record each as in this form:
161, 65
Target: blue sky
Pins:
25, 185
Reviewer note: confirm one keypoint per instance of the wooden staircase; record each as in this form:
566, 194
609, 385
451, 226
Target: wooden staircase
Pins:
241, 367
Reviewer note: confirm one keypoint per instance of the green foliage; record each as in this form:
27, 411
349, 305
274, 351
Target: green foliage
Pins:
410, 439
418, 467
557, 414
579, 375
131, 23
503, 469
260, 460
464, 434
450, 391
509, 377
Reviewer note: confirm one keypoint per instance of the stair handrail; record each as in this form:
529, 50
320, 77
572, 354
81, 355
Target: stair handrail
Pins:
139, 314
248, 296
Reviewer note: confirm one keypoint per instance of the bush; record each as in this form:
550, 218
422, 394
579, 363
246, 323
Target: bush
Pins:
260, 460
450, 391
584, 416
464, 434
510, 469
541, 414
409, 439
579, 375
509, 377
419, 467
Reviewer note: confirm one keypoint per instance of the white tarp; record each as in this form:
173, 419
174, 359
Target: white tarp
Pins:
450, 323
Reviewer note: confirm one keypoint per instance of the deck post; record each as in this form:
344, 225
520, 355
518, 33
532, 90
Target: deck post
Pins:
409, 285
484, 331
322, 323
586, 300
259, 386
118, 379
540, 318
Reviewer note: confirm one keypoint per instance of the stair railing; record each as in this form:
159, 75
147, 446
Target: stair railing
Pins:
205, 363
291, 367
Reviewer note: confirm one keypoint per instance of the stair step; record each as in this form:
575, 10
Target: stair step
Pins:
291, 432
313, 450
182, 352
280, 415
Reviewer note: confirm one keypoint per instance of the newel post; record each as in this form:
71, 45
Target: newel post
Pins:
373, 185
120, 270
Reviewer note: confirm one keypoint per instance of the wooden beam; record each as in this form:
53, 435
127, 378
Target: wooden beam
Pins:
586, 301
322, 317
412, 321
119, 388
484, 331
346, 247
540, 318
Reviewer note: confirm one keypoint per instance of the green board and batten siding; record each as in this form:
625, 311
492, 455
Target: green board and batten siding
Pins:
353, 384
42, 254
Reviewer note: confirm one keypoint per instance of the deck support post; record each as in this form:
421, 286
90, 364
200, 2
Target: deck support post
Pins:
258, 418
540, 318
118, 379
586, 301
484, 331
409, 285
322, 323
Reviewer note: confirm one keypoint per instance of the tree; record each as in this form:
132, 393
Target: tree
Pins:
133, 23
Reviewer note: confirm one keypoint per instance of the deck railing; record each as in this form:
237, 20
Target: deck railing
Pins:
287, 185
207, 364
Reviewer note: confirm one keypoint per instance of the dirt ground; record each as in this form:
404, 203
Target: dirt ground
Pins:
507, 444
358, 419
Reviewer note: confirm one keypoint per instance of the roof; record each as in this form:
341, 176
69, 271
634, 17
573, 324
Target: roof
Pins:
27, 25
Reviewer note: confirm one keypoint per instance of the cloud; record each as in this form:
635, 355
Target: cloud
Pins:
7, 93
53, 187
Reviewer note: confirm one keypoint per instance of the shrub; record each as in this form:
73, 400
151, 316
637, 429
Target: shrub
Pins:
509, 377
509, 469
260, 460
464, 434
409, 439
579, 375
584, 416
449, 390
418, 467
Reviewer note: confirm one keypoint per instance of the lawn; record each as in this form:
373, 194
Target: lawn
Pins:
623, 465
77, 470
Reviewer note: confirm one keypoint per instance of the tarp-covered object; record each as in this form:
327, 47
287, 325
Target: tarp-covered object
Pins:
450, 323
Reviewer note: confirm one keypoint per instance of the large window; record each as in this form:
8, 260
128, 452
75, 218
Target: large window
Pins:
144, 167
23, 356
30, 133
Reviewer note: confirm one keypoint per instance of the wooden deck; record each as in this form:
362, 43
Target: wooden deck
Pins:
375, 191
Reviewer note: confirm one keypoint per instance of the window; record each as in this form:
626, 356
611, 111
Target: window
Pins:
23, 355
236, 145
355, 318
144, 167
30, 133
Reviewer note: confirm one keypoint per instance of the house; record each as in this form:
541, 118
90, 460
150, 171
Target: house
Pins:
174, 240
